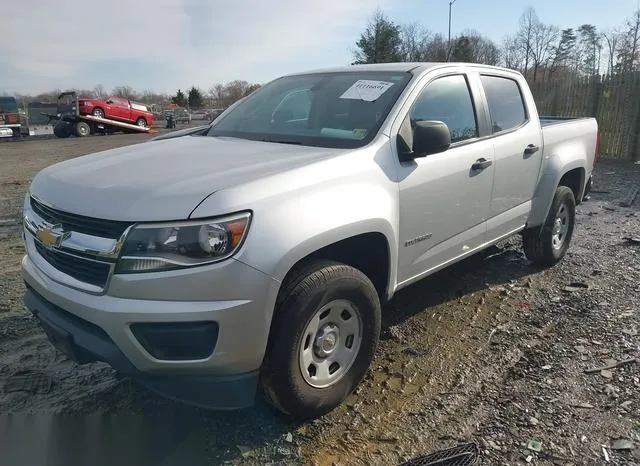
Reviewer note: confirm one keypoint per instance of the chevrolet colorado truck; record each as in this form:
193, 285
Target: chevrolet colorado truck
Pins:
252, 255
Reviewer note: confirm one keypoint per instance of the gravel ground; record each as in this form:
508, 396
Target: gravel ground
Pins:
491, 351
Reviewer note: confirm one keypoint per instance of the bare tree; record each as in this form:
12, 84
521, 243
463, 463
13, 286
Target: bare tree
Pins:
528, 22
542, 45
224, 95
611, 42
483, 49
629, 48
216, 93
124, 91
436, 49
99, 91
513, 54
414, 40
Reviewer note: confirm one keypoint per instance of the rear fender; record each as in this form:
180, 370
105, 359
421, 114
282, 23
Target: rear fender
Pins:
555, 168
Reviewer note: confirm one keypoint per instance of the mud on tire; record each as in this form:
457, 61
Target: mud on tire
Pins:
547, 245
309, 290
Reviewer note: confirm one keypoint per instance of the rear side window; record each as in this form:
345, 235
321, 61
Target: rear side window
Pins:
506, 104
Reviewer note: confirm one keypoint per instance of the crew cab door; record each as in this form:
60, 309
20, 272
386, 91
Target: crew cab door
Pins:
127, 110
118, 108
444, 199
517, 140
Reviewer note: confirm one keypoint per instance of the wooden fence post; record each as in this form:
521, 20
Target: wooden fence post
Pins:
634, 153
595, 88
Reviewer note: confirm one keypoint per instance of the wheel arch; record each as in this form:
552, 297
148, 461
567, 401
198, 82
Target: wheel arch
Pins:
369, 252
558, 173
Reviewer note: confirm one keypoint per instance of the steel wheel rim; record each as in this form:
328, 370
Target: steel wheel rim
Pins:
141, 122
560, 227
330, 343
83, 131
98, 114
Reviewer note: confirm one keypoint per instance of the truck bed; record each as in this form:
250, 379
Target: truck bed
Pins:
555, 120
565, 136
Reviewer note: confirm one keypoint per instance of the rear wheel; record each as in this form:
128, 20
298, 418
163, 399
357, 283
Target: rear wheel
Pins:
98, 112
82, 129
141, 122
548, 244
324, 335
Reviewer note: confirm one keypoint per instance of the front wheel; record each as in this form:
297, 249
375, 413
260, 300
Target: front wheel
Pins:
62, 130
548, 244
141, 122
98, 112
324, 335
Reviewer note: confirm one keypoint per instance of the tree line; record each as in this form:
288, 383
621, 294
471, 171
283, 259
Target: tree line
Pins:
540, 51
218, 96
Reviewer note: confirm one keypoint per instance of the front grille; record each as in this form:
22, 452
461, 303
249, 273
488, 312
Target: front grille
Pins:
84, 270
79, 223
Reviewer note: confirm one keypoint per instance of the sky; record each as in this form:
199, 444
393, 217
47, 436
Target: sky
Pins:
163, 45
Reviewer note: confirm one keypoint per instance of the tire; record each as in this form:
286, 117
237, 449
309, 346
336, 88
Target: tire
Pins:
547, 245
62, 130
82, 129
141, 122
286, 380
98, 112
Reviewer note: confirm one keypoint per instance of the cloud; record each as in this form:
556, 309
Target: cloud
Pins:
166, 44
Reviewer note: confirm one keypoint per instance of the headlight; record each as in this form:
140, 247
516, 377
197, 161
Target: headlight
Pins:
167, 246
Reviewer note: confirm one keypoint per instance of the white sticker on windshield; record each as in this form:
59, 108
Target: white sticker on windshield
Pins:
365, 89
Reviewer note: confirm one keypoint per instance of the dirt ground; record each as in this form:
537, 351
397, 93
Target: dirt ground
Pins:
492, 351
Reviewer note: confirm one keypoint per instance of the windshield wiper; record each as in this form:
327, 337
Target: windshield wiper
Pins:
277, 141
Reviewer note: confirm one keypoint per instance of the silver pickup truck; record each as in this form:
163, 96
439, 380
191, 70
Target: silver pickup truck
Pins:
253, 255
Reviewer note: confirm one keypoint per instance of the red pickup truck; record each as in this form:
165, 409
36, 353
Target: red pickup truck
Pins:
117, 108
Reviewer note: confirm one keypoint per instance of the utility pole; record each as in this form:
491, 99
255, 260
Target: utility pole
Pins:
451, 2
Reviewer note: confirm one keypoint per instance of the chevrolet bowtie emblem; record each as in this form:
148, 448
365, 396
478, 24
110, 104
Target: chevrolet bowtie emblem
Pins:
51, 237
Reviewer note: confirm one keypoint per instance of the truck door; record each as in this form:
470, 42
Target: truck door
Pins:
119, 108
517, 140
444, 200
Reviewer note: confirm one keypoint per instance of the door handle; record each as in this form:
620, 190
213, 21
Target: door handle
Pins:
531, 149
481, 164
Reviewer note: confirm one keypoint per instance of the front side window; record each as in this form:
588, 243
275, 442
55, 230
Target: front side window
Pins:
506, 105
340, 110
448, 99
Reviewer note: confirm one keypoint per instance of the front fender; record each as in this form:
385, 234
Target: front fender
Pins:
302, 210
328, 237
285, 231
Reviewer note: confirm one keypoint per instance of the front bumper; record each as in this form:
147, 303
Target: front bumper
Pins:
8, 130
89, 327
84, 342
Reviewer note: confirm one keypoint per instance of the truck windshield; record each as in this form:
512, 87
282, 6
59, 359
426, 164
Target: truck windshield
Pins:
8, 105
339, 110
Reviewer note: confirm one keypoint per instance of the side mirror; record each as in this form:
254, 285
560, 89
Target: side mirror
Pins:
429, 137
109, 101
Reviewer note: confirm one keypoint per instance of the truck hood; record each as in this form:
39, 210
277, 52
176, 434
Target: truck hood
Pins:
166, 179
